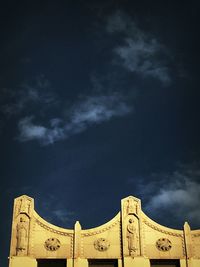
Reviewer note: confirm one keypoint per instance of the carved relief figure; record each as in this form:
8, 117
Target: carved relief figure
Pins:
131, 236
132, 206
25, 204
22, 236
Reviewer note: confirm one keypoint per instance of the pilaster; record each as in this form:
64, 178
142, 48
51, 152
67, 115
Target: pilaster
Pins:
77, 240
188, 244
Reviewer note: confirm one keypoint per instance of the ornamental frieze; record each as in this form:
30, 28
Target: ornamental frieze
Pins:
53, 230
161, 230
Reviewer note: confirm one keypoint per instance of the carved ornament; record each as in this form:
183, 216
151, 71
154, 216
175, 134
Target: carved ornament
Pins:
163, 244
53, 230
161, 230
196, 235
52, 244
101, 244
101, 230
23, 205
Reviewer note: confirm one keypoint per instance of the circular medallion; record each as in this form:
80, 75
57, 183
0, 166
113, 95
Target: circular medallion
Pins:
52, 244
101, 244
163, 244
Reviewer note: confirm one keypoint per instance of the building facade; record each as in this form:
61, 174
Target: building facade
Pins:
130, 239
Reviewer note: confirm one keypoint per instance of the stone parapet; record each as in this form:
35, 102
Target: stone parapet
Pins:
130, 239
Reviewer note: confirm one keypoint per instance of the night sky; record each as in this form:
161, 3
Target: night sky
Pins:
99, 100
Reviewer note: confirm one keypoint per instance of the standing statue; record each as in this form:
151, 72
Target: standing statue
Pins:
22, 237
131, 235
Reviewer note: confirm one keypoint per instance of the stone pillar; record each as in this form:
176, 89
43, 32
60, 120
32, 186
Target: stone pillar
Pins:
77, 245
120, 263
77, 240
188, 244
183, 263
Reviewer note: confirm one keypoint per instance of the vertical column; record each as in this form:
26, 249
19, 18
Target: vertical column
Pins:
78, 262
77, 240
183, 263
188, 244
119, 263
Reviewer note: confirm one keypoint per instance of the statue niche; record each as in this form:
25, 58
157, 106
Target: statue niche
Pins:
131, 234
22, 236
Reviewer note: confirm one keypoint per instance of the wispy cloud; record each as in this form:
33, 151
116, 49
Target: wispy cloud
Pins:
138, 52
86, 112
30, 131
119, 22
96, 109
185, 194
54, 211
62, 215
177, 195
139, 56
15, 101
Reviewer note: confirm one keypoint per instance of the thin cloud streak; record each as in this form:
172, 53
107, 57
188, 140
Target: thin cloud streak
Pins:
54, 212
18, 100
138, 56
98, 109
62, 215
91, 110
139, 53
30, 131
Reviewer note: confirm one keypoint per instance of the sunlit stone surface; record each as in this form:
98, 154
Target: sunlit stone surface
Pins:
130, 239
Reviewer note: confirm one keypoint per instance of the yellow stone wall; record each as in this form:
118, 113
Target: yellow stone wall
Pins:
131, 237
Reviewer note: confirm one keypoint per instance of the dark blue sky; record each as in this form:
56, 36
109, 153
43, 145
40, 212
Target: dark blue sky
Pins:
99, 100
